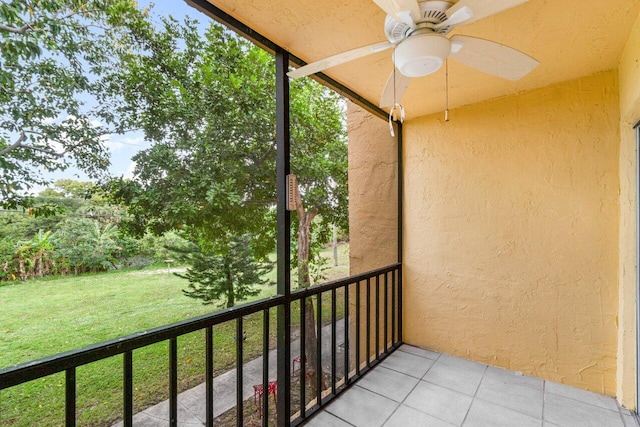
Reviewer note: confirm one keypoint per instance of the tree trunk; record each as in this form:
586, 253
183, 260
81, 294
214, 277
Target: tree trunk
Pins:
304, 280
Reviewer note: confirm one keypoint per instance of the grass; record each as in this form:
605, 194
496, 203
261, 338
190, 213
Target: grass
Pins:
43, 317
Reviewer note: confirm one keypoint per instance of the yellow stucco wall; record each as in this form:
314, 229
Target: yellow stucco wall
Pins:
511, 232
373, 208
373, 211
629, 77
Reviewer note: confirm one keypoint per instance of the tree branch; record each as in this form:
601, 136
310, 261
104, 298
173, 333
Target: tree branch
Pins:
44, 150
21, 30
27, 28
20, 144
15, 145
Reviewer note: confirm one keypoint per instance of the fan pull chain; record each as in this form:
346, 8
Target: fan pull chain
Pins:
446, 90
397, 107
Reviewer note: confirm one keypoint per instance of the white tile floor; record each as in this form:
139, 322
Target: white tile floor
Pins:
417, 387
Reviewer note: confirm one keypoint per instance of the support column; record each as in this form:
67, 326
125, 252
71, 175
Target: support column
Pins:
283, 168
400, 193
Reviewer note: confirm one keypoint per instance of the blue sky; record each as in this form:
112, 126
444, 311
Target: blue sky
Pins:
124, 147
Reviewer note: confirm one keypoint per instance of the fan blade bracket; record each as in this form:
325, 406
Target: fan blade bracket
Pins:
459, 16
482, 8
402, 11
391, 8
412, 7
456, 46
406, 17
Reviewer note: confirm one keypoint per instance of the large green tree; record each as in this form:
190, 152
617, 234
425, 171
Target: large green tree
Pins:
52, 54
207, 103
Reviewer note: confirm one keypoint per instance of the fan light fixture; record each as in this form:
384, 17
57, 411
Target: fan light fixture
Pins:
416, 30
422, 55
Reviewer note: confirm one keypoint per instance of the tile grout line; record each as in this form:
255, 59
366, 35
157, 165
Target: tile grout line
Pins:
414, 387
584, 402
404, 373
371, 391
449, 388
486, 368
510, 409
326, 409
422, 357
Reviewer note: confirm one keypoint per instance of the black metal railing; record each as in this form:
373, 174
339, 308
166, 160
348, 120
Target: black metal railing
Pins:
343, 301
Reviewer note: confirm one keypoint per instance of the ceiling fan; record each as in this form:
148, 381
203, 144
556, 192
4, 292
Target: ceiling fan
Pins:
417, 30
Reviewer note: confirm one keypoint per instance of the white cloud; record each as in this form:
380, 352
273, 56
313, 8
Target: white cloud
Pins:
131, 141
130, 170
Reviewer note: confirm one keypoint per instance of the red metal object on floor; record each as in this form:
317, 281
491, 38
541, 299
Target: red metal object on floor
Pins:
258, 392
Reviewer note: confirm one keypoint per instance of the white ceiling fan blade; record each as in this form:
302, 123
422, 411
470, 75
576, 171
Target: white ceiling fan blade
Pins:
483, 8
407, 11
338, 59
491, 57
389, 98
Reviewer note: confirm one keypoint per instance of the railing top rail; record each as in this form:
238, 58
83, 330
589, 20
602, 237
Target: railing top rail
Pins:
29, 371
314, 290
24, 372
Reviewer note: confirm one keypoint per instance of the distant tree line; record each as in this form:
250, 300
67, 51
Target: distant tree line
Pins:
82, 234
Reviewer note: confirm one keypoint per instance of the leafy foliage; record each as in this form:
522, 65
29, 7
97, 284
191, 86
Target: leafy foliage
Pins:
51, 56
83, 236
208, 108
85, 245
28, 259
207, 103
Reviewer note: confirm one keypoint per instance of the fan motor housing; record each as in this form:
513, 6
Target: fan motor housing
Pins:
433, 12
422, 54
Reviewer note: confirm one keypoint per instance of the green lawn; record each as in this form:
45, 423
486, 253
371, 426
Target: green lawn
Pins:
44, 317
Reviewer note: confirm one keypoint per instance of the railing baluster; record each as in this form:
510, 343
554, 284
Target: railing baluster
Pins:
346, 334
333, 341
70, 397
393, 309
127, 345
128, 388
319, 374
368, 317
377, 317
239, 373
265, 368
209, 375
386, 312
173, 382
399, 270
358, 328
303, 357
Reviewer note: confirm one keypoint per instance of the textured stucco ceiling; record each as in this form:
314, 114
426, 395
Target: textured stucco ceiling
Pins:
571, 38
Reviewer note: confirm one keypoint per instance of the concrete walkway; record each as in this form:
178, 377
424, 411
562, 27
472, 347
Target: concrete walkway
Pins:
191, 403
